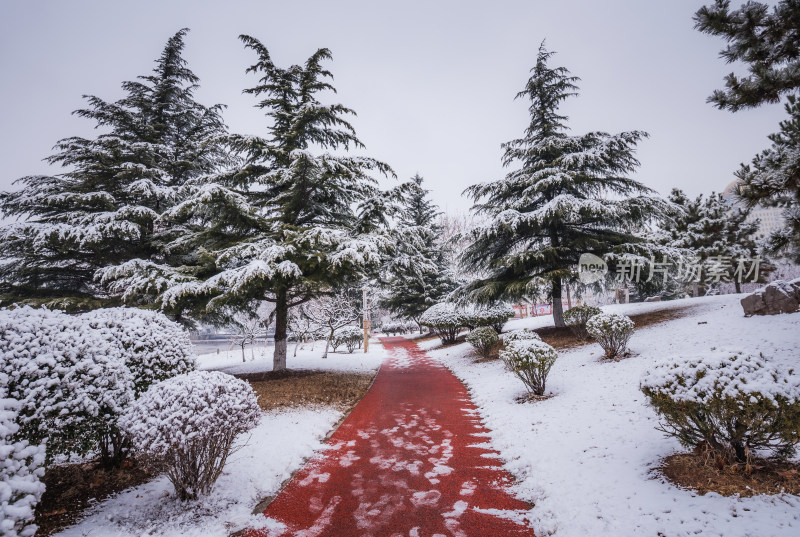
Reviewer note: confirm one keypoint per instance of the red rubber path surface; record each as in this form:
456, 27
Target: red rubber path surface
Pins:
410, 460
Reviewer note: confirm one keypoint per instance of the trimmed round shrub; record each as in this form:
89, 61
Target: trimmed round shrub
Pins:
531, 360
576, 318
484, 339
186, 427
21, 471
349, 336
520, 335
612, 331
444, 319
494, 316
70, 381
737, 404
154, 348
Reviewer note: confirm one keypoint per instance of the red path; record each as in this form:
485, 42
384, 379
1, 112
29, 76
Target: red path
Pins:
410, 460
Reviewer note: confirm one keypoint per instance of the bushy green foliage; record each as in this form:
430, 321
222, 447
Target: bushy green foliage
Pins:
612, 331
531, 360
494, 316
576, 318
484, 339
444, 319
736, 404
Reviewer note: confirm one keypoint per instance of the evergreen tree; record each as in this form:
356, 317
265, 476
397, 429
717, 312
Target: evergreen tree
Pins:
102, 211
288, 224
767, 41
418, 276
569, 195
715, 238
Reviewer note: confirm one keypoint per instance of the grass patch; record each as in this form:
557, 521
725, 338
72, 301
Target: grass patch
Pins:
304, 387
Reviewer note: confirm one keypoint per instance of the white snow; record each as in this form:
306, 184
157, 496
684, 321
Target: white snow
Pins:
586, 456
278, 446
308, 357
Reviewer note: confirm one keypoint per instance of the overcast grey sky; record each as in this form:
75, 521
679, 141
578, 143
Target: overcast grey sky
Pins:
433, 82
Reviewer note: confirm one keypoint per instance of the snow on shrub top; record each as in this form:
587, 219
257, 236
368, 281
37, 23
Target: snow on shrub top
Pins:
443, 314
21, 471
524, 351
154, 347
482, 335
724, 374
605, 323
181, 410
520, 335
66, 378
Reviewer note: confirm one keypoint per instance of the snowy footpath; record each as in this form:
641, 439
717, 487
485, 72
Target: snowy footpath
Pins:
281, 443
585, 457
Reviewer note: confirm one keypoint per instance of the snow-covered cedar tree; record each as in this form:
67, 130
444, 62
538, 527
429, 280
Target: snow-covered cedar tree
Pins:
564, 196
186, 426
71, 381
612, 331
154, 348
531, 360
520, 335
576, 318
297, 214
484, 339
349, 336
737, 404
418, 274
102, 209
445, 319
21, 471
493, 316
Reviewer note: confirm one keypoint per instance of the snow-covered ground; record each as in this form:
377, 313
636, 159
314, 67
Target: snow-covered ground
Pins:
308, 357
276, 448
585, 457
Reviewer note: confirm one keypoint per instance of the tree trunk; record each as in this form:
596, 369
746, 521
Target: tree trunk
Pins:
244, 359
738, 285
558, 309
281, 318
327, 344
569, 299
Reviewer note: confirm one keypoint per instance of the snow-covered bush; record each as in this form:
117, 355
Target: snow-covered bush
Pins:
349, 336
186, 426
71, 384
612, 331
531, 360
494, 316
736, 403
444, 319
153, 347
520, 335
484, 339
410, 327
21, 470
577, 317
393, 328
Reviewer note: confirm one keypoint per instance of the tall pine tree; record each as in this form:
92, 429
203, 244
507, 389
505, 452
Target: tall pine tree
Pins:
419, 276
766, 40
568, 195
292, 222
102, 210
